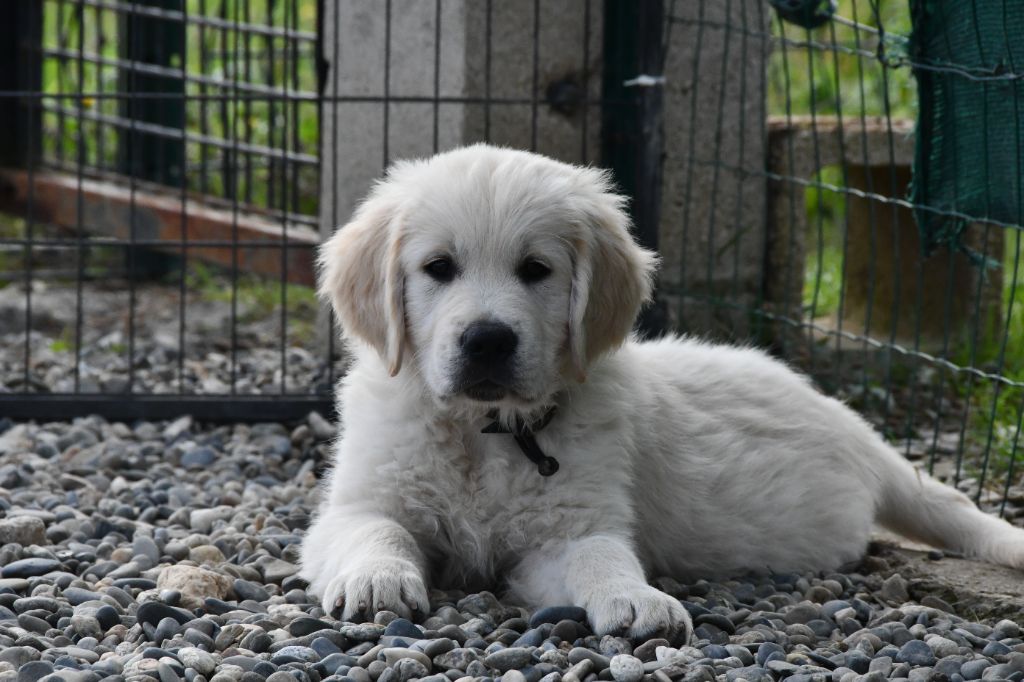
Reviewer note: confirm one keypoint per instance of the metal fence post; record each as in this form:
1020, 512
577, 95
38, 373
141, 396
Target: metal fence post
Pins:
20, 43
632, 138
155, 156
159, 42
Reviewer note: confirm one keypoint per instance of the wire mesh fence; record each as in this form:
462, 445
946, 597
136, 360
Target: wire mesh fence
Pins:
176, 162
905, 304
160, 206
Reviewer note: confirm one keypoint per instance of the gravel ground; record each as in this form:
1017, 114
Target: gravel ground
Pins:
167, 551
196, 357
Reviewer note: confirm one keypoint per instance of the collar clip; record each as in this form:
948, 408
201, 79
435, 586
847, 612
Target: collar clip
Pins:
526, 440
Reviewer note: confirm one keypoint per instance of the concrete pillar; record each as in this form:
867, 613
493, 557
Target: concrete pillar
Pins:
515, 72
713, 203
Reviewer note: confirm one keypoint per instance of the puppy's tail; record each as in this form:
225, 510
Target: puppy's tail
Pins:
917, 506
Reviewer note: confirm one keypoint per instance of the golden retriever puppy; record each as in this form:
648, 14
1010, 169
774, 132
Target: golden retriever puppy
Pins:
500, 427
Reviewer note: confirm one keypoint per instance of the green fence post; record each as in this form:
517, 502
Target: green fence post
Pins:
20, 45
151, 154
153, 41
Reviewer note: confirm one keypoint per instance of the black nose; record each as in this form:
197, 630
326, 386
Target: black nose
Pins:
488, 343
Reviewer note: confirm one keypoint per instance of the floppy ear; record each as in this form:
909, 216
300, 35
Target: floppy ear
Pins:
361, 275
612, 279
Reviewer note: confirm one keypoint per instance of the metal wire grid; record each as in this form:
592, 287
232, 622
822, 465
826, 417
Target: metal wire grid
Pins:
246, 81
955, 398
192, 106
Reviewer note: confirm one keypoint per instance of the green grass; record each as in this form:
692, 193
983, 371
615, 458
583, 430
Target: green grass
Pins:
65, 343
823, 275
996, 408
257, 298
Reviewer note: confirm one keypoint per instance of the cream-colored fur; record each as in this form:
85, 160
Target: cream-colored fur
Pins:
677, 457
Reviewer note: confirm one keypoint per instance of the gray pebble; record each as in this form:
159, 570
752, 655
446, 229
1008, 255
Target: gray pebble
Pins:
508, 659
943, 647
647, 651
995, 649
916, 653
246, 589
750, 673
579, 653
802, 612
145, 546
554, 614
18, 656
392, 655
972, 670
410, 668
167, 673
366, 632
458, 659
436, 647
34, 671
301, 653
359, 674
566, 630
280, 676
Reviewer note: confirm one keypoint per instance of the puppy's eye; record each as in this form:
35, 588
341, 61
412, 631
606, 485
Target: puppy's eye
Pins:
532, 270
441, 269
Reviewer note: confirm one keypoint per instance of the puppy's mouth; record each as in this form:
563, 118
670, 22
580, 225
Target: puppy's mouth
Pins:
485, 390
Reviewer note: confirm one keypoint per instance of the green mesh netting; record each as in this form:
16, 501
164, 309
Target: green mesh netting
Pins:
968, 58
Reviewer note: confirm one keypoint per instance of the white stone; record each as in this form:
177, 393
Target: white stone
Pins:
23, 530
197, 659
202, 520
626, 668
194, 583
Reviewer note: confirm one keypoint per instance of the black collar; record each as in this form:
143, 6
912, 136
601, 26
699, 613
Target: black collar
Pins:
524, 435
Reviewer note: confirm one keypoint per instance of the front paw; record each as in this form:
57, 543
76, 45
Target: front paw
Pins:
396, 586
637, 610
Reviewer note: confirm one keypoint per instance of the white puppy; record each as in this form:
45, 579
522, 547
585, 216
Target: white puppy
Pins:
486, 287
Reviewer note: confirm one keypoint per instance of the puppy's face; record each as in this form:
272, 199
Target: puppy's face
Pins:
492, 274
488, 286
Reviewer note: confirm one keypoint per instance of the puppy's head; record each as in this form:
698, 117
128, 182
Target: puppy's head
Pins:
493, 274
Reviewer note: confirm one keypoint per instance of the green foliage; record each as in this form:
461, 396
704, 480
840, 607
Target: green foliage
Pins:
996, 407
849, 78
65, 343
224, 57
826, 213
256, 298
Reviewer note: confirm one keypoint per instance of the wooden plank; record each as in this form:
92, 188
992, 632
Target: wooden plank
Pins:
162, 220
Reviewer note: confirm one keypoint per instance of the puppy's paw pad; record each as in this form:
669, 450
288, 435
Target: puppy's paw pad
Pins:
639, 611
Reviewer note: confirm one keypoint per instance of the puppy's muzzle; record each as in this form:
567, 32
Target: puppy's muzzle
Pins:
488, 355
